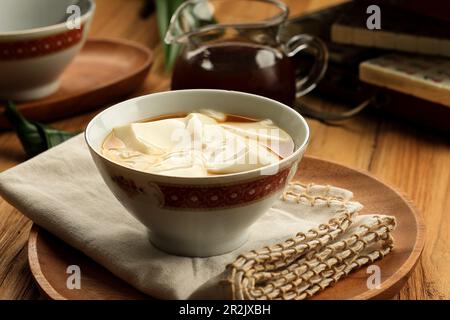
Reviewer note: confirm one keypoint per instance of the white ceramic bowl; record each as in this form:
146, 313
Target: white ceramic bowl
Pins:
197, 216
36, 44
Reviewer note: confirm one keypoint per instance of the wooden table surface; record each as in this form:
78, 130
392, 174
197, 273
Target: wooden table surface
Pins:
414, 160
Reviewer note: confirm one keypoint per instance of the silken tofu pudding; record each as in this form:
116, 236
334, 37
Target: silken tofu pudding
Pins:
198, 144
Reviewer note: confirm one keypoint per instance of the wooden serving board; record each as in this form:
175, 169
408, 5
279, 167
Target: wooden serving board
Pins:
49, 257
104, 70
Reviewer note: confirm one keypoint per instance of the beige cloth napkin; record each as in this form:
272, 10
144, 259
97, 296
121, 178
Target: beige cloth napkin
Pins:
309, 239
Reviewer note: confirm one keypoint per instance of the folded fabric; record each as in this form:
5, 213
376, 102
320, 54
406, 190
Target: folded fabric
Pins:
309, 239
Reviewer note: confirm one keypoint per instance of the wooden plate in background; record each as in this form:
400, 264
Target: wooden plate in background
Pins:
49, 257
103, 71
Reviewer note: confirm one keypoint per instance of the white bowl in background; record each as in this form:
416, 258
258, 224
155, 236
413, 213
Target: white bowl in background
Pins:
197, 216
36, 45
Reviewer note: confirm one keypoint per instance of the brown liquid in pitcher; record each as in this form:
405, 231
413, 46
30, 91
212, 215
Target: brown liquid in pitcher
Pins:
237, 66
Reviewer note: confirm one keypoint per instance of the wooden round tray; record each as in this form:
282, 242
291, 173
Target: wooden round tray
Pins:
49, 257
103, 71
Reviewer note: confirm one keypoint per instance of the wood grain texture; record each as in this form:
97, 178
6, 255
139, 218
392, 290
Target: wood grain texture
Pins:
49, 257
418, 163
411, 159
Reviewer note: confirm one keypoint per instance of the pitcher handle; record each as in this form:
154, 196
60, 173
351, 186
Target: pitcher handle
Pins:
302, 42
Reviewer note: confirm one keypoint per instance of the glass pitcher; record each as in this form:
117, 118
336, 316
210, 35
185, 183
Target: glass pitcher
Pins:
237, 45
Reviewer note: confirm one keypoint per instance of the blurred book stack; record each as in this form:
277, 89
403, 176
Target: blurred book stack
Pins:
401, 30
407, 59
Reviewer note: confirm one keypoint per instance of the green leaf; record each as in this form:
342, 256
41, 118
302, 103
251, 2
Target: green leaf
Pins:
163, 18
165, 9
173, 54
34, 137
162, 11
28, 133
54, 136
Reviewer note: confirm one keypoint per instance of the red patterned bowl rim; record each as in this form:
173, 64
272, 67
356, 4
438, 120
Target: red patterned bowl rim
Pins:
26, 49
206, 197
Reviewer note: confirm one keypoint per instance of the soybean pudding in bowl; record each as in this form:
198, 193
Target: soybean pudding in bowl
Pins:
198, 144
197, 179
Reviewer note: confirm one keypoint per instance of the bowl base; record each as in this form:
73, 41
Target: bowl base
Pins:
196, 248
31, 94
